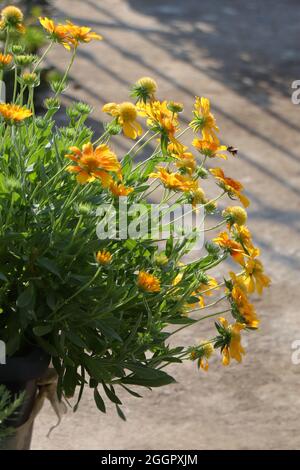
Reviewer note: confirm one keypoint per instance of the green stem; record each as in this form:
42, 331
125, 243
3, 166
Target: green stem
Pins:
15, 84
66, 73
43, 56
200, 319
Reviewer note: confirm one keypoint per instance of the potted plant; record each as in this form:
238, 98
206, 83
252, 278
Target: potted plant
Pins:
89, 274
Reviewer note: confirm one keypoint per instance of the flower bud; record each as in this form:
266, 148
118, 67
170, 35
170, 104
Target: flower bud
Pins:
83, 108
235, 215
144, 89
17, 49
25, 60
175, 107
30, 79
52, 103
11, 16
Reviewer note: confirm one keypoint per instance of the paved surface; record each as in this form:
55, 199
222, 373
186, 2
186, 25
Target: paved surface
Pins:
244, 56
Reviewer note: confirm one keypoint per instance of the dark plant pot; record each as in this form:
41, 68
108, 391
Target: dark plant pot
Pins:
20, 374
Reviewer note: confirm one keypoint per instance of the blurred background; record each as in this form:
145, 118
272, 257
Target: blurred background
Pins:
244, 56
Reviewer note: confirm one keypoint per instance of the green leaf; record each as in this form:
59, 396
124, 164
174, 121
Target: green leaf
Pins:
70, 381
169, 247
42, 330
111, 394
49, 265
120, 413
134, 394
127, 165
192, 299
181, 320
99, 401
3, 277
145, 372
96, 369
164, 379
108, 331
26, 297
49, 348
74, 338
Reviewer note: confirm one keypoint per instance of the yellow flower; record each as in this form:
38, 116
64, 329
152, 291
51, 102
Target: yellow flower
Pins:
30, 79
238, 295
148, 282
160, 118
58, 32
243, 235
81, 33
186, 161
13, 113
208, 350
254, 277
230, 185
234, 349
118, 189
234, 248
204, 120
68, 34
175, 107
126, 114
210, 148
205, 288
235, 215
94, 164
174, 181
198, 197
5, 59
12, 16
144, 89
104, 257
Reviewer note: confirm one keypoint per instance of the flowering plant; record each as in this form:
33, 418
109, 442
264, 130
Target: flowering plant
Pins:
104, 309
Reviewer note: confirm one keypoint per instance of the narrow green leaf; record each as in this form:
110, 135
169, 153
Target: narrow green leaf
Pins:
99, 401
111, 395
120, 413
42, 330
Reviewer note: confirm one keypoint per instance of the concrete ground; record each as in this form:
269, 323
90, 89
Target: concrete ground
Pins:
244, 57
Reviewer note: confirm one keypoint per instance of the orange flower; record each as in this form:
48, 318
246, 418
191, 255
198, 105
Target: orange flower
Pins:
5, 59
254, 277
204, 120
243, 235
104, 257
94, 164
160, 118
148, 282
209, 148
126, 115
81, 33
174, 181
58, 32
231, 186
12, 18
119, 189
205, 288
234, 248
238, 295
185, 160
13, 113
234, 349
